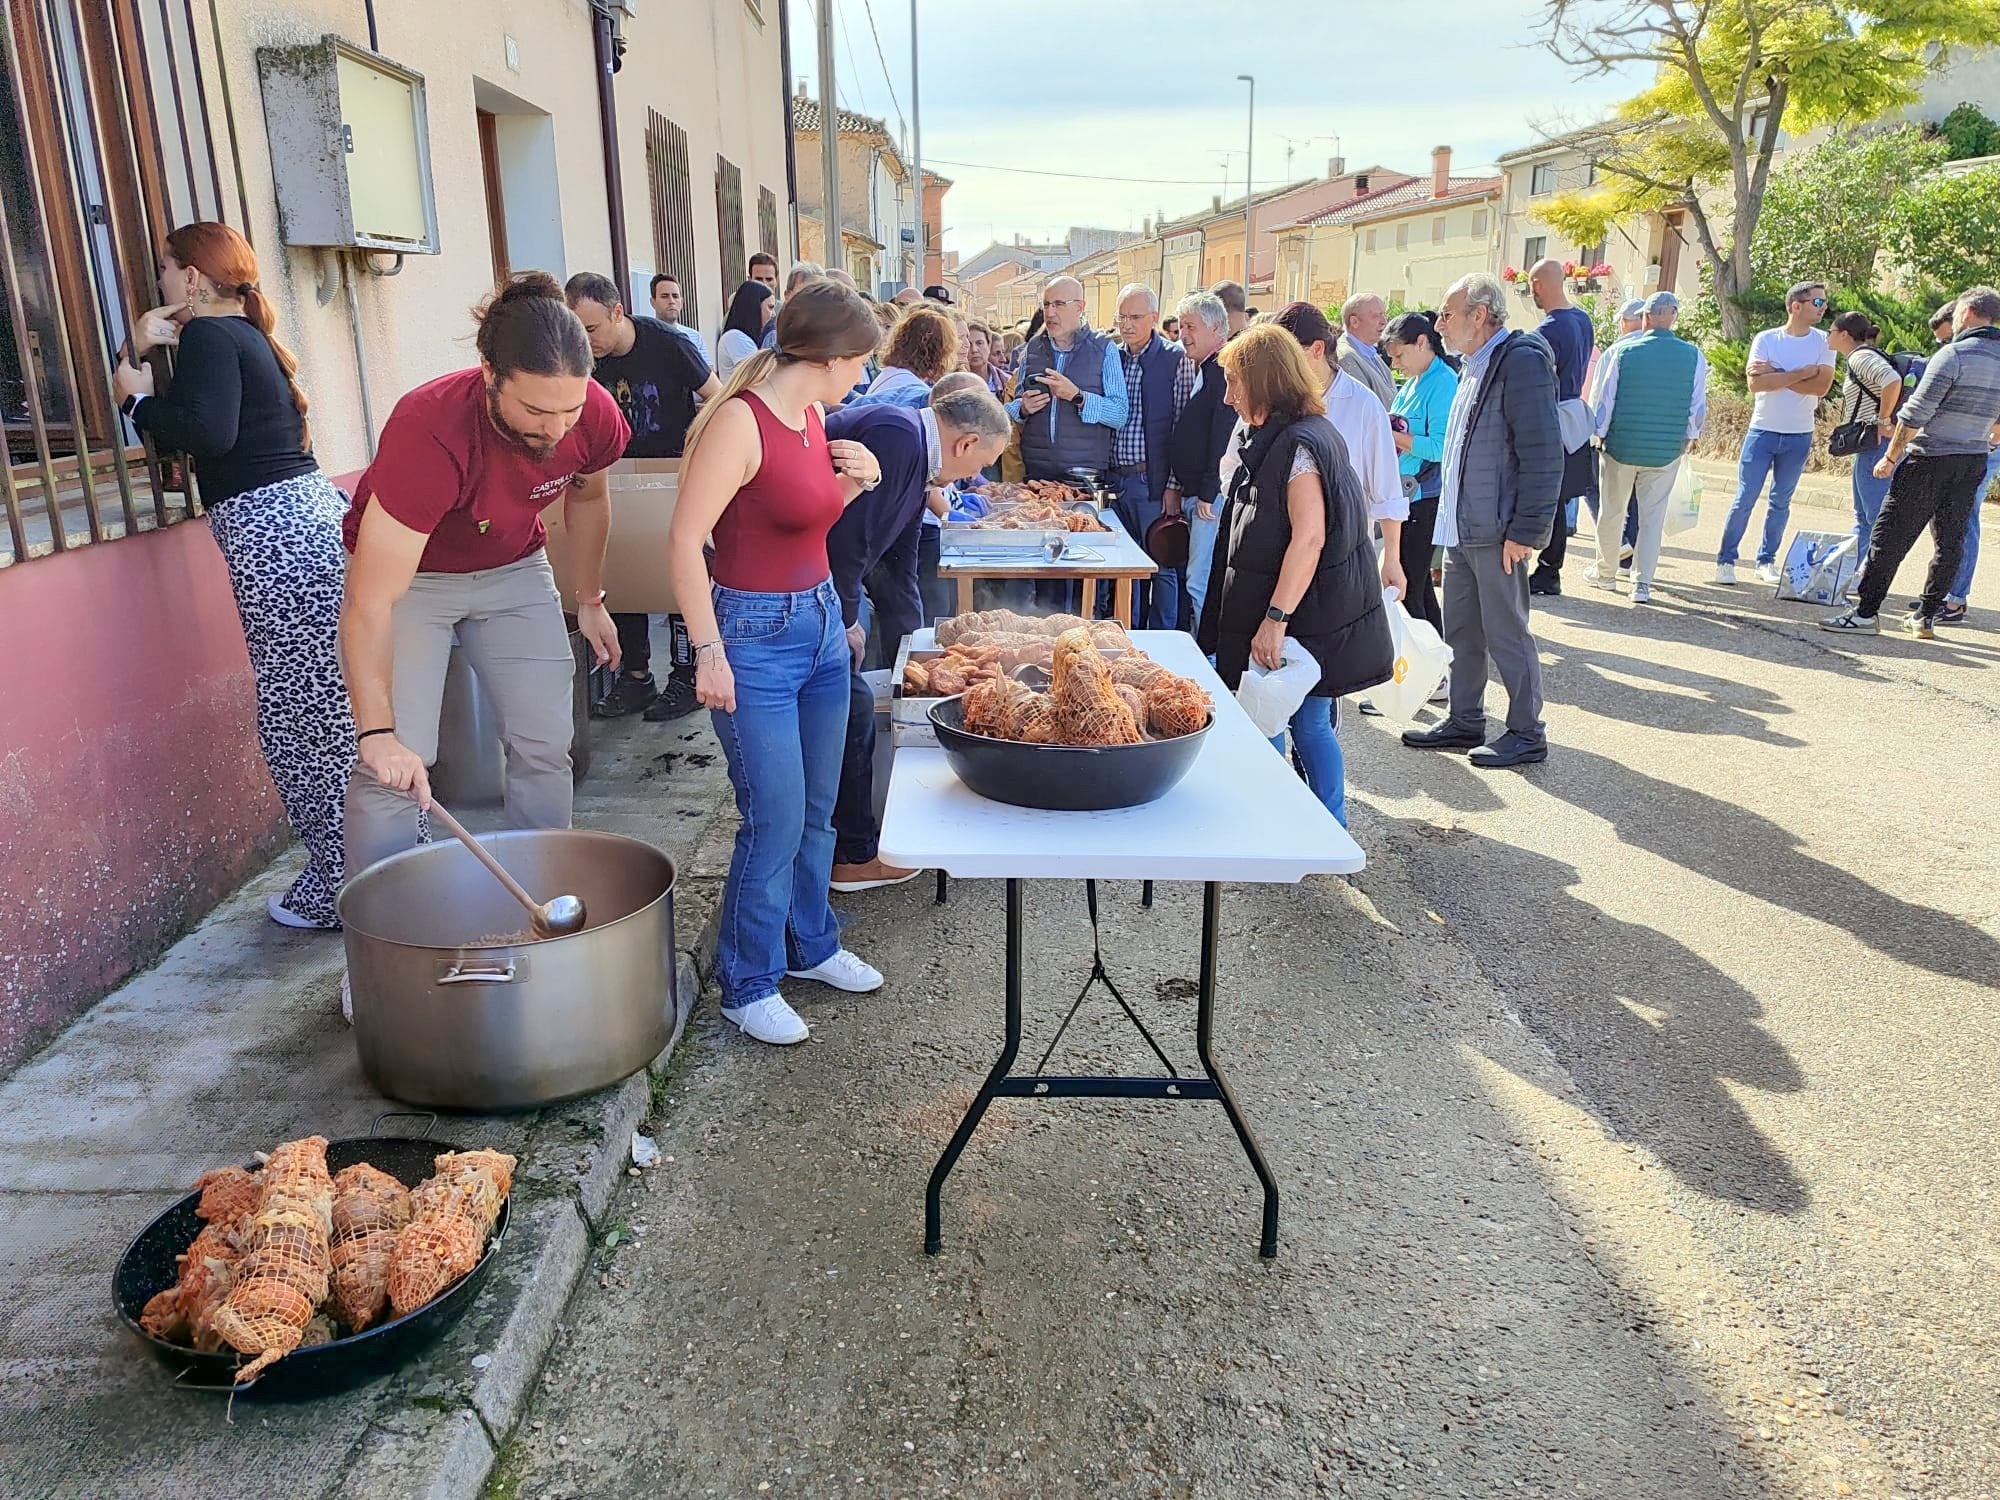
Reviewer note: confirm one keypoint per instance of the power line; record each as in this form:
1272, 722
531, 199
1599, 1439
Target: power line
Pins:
984, 166
868, 8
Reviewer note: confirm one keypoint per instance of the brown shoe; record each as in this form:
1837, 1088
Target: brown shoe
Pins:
871, 876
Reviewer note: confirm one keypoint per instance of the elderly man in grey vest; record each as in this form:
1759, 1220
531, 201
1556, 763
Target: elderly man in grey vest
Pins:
1073, 397
1503, 468
1652, 397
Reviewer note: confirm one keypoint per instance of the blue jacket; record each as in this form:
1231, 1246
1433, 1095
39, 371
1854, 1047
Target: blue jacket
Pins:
1159, 364
879, 531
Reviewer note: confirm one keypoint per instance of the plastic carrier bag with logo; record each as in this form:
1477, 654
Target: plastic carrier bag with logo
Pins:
1817, 567
1422, 659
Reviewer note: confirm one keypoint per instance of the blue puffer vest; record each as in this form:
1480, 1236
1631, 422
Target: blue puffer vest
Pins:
1077, 444
1649, 409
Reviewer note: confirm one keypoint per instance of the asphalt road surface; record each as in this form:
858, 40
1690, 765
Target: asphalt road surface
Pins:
1634, 1116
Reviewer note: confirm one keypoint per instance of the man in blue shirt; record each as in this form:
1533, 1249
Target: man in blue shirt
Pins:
873, 547
1074, 375
667, 304
1571, 336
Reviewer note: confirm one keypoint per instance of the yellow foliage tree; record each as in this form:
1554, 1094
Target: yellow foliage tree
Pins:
1729, 76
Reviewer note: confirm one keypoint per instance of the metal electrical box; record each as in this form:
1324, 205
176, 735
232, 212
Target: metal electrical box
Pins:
350, 148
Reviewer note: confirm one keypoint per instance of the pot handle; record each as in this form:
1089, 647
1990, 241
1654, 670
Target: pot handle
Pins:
428, 1116
478, 971
181, 1382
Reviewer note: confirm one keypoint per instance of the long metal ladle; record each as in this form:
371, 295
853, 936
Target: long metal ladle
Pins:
556, 917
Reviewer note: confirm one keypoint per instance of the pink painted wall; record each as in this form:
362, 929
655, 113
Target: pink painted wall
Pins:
132, 794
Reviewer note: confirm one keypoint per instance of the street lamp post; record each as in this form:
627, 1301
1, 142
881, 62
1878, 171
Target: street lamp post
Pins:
1249, 180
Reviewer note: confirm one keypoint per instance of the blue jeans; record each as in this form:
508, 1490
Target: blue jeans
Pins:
1782, 457
1869, 493
1201, 551
1961, 586
1318, 745
788, 654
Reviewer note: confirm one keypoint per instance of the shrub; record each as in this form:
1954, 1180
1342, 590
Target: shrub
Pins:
1946, 230
1968, 131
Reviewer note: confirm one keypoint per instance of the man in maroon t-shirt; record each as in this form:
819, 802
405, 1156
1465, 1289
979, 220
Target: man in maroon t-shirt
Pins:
446, 535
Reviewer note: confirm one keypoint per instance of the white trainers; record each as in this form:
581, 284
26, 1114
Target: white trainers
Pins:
284, 916
1642, 593
1766, 573
1725, 573
844, 972
769, 1020
346, 999
1598, 580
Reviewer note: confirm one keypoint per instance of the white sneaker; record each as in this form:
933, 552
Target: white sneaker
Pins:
284, 916
1642, 593
1442, 695
346, 999
769, 1020
844, 972
1725, 573
1597, 580
1766, 573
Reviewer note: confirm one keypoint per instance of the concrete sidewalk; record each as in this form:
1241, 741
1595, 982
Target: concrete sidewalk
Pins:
231, 1043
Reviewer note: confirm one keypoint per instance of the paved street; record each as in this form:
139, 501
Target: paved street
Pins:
1633, 1117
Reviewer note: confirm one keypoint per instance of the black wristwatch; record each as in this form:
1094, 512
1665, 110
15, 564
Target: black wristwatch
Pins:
1280, 615
131, 403
1077, 402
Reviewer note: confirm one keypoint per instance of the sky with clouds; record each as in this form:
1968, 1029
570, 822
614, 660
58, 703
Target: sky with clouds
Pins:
1144, 93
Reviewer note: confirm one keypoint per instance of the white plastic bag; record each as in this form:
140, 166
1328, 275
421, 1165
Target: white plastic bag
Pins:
1422, 660
1271, 698
1684, 500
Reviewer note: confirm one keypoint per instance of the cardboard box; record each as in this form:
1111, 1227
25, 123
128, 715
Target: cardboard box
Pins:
643, 492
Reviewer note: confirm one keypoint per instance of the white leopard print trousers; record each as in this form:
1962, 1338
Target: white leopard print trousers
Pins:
286, 567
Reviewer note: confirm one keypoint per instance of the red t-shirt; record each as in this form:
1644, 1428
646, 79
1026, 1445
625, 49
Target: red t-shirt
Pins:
443, 468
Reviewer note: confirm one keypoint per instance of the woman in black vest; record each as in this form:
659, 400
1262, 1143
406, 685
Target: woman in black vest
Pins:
1296, 563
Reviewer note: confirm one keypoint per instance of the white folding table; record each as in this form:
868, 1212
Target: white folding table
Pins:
1240, 814
1092, 557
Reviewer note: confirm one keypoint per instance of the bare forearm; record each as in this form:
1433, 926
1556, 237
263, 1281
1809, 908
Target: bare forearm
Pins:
367, 656
1295, 572
689, 572
587, 518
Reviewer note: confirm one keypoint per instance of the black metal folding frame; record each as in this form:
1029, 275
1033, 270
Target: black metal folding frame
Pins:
1002, 1082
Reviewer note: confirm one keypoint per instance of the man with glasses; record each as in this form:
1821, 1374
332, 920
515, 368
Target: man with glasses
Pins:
1151, 368
1789, 369
1073, 393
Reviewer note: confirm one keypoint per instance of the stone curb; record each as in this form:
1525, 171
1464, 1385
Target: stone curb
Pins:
446, 1447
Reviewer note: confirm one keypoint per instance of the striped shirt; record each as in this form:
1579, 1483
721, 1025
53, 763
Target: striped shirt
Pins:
1958, 400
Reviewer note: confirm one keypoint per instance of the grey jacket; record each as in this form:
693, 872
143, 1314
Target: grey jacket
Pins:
1511, 460
1366, 368
1958, 400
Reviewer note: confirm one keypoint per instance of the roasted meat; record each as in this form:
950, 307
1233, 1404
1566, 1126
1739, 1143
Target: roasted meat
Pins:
370, 1209
451, 1215
282, 1277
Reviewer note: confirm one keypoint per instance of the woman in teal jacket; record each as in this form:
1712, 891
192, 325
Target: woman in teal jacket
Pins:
1424, 403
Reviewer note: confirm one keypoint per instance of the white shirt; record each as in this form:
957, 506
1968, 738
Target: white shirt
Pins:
1364, 428
1787, 411
732, 349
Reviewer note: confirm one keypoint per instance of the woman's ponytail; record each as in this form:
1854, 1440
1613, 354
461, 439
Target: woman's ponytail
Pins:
746, 374
260, 315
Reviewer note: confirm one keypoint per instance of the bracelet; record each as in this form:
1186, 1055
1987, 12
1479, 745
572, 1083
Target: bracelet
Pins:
367, 732
586, 603
715, 645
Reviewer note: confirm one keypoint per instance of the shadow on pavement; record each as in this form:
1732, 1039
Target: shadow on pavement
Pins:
1763, 859
1646, 1028
1593, 678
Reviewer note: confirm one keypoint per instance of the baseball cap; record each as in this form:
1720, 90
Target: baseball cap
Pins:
1636, 308
938, 294
1661, 302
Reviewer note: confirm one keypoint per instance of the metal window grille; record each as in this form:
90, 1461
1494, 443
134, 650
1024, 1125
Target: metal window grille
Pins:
767, 221
670, 185
104, 144
729, 220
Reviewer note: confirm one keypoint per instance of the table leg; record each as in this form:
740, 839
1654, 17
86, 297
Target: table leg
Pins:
965, 596
933, 1210
1146, 895
943, 887
1087, 605
1121, 601
1211, 907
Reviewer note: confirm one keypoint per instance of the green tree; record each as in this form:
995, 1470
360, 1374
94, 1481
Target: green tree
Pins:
1727, 79
1945, 230
1969, 131
1825, 210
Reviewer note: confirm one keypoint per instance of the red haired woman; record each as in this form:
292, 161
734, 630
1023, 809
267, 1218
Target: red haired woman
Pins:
235, 406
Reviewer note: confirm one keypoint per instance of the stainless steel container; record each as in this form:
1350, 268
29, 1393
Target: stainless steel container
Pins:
445, 1020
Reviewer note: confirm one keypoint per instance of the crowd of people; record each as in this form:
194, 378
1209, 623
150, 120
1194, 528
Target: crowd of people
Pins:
1295, 481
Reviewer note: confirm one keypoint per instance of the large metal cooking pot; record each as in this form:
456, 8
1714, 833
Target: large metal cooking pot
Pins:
446, 1020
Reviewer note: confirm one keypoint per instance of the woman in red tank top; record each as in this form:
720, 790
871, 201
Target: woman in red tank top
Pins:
771, 654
